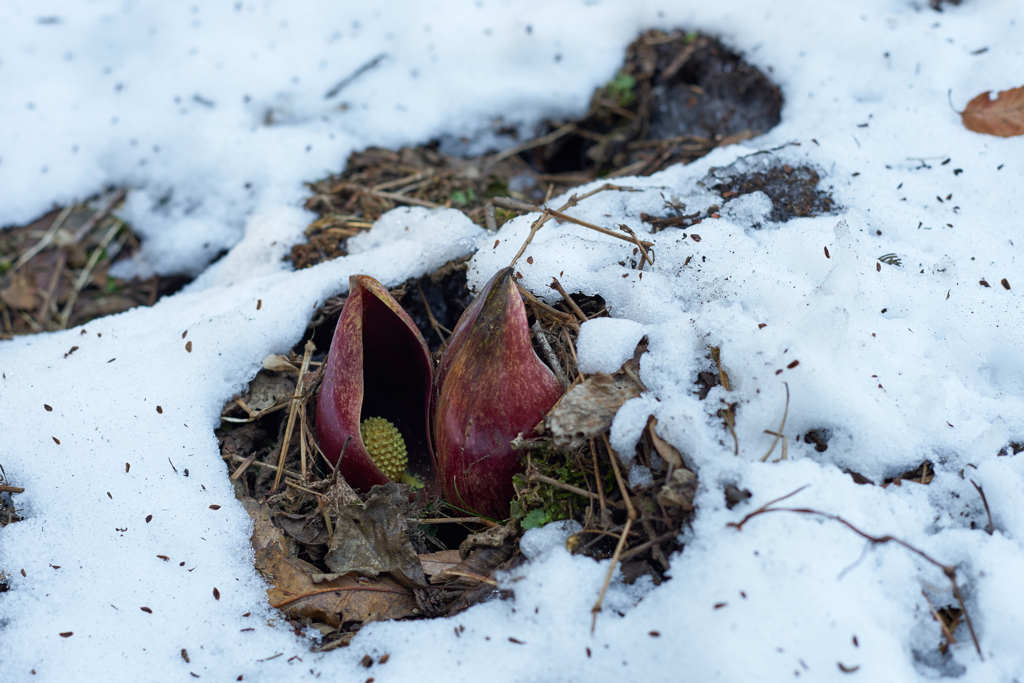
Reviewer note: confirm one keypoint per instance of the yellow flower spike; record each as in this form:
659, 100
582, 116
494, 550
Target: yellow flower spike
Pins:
385, 445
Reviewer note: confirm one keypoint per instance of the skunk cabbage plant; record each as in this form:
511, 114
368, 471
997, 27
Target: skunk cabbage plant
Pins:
375, 398
492, 387
373, 410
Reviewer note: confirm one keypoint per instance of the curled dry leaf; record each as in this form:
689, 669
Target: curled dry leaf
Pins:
1002, 116
587, 410
666, 450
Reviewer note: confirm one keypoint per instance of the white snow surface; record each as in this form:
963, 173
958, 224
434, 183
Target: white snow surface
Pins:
214, 115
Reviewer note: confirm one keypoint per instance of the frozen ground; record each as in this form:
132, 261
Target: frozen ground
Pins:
213, 116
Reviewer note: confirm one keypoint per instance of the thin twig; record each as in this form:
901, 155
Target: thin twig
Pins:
259, 463
630, 517
438, 327
645, 257
403, 182
359, 71
605, 518
454, 520
530, 144
566, 318
946, 633
604, 231
551, 481
614, 458
391, 196
557, 286
100, 215
611, 571
948, 570
989, 527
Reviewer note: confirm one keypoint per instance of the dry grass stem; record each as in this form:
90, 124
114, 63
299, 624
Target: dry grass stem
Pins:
83, 276
293, 410
778, 433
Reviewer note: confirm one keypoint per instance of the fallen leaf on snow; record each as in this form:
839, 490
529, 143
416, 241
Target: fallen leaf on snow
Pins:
1002, 116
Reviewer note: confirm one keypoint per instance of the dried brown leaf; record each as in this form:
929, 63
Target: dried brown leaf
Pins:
679, 490
267, 390
435, 564
1002, 116
666, 450
20, 294
372, 538
587, 410
296, 590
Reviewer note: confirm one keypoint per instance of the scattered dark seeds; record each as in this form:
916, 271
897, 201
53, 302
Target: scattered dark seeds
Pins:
146, 609
216, 593
188, 346
48, 408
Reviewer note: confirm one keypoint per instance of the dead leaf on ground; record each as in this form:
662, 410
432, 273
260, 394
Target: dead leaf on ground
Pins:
266, 391
666, 450
296, 592
680, 490
587, 410
21, 294
436, 564
373, 538
1002, 116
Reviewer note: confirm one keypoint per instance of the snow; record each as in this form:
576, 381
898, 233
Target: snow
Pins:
214, 116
